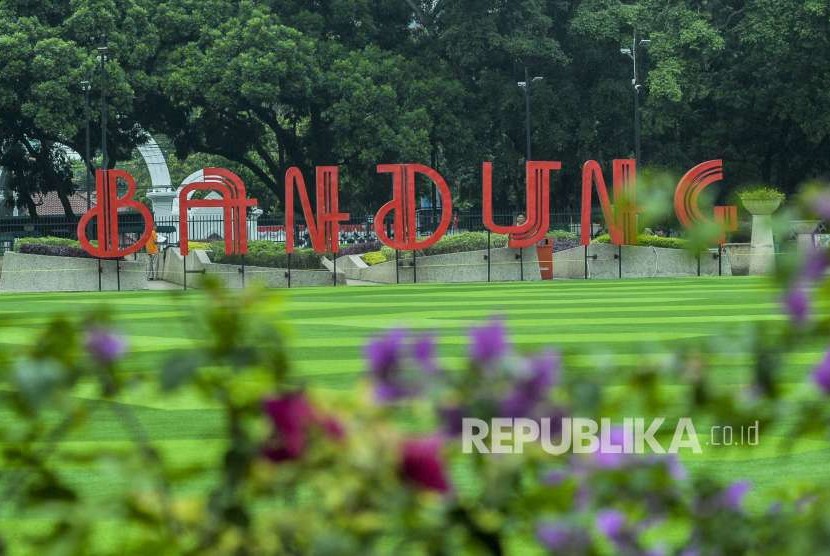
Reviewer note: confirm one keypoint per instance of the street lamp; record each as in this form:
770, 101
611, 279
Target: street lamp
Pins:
103, 53
86, 85
637, 86
525, 86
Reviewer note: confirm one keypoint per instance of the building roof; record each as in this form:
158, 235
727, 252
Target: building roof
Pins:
50, 204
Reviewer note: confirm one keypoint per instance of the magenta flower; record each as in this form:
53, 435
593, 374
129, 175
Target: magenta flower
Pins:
104, 346
489, 342
421, 464
732, 496
293, 417
797, 304
821, 374
611, 523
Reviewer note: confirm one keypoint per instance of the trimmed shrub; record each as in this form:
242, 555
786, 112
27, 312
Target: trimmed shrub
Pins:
761, 193
374, 257
267, 254
50, 246
651, 241
360, 248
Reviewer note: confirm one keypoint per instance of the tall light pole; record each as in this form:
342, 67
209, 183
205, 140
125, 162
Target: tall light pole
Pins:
103, 52
637, 86
85, 87
525, 86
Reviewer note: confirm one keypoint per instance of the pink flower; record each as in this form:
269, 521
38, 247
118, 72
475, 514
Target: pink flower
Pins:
421, 464
293, 417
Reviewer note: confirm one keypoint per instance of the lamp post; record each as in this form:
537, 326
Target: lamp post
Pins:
85, 87
525, 86
637, 86
103, 52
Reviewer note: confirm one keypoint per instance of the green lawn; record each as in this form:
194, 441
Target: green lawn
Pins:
623, 319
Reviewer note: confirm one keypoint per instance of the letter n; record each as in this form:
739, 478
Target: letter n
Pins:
621, 219
324, 228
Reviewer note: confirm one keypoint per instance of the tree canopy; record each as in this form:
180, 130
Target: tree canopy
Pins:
268, 84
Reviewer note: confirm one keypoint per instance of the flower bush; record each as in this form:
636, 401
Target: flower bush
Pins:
53, 246
301, 471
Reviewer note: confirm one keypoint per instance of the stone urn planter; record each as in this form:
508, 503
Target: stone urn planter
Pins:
805, 230
762, 251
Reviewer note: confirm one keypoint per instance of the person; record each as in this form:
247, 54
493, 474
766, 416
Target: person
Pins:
520, 219
152, 255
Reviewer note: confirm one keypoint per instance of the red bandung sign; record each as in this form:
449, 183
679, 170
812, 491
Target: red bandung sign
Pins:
324, 220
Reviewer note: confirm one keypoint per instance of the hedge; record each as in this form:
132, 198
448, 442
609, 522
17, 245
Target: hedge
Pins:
267, 254
651, 241
50, 246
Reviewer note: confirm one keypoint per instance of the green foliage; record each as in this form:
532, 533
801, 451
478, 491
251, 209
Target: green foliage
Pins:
650, 241
562, 234
46, 240
761, 193
267, 254
374, 257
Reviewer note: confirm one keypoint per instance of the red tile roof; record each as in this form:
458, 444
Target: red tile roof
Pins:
50, 204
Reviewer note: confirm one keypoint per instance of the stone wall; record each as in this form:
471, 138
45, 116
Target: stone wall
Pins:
637, 262
199, 265
23, 272
468, 266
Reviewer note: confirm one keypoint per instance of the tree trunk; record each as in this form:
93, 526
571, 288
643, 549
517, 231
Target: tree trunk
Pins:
67, 208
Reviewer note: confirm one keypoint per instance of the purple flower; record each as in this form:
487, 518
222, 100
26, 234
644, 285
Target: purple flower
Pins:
607, 457
531, 389
797, 304
611, 523
452, 418
488, 343
822, 206
390, 364
421, 464
732, 496
105, 347
423, 351
561, 538
815, 265
555, 477
821, 374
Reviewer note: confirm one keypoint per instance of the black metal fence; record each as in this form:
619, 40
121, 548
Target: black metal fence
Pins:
210, 227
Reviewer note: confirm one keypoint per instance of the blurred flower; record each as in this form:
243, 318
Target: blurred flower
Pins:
732, 496
816, 263
821, 374
489, 342
533, 388
822, 206
611, 523
104, 346
421, 463
561, 538
423, 351
292, 417
452, 418
605, 458
555, 477
797, 304
390, 357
